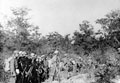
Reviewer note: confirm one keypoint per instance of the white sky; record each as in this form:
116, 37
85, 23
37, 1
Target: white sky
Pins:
63, 16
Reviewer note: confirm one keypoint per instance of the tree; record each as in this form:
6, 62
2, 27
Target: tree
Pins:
21, 34
111, 25
86, 28
55, 40
83, 38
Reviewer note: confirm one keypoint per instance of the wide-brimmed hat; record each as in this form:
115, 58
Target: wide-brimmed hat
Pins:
42, 56
56, 51
16, 51
20, 53
24, 53
32, 55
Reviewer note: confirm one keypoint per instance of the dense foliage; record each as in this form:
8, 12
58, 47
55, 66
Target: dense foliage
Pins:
102, 46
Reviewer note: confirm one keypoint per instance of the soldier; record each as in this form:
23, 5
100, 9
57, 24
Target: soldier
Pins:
53, 66
10, 65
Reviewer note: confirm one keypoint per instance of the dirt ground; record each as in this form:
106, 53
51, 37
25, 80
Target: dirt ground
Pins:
75, 79
81, 78
12, 80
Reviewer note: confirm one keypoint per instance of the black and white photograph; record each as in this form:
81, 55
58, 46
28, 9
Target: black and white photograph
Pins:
59, 41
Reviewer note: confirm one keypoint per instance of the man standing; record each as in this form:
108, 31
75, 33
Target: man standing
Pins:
12, 65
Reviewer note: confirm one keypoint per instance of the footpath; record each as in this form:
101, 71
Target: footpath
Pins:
82, 78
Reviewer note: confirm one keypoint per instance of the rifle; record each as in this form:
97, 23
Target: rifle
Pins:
29, 72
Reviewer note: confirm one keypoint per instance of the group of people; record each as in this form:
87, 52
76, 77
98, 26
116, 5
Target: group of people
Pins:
27, 68
31, 68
